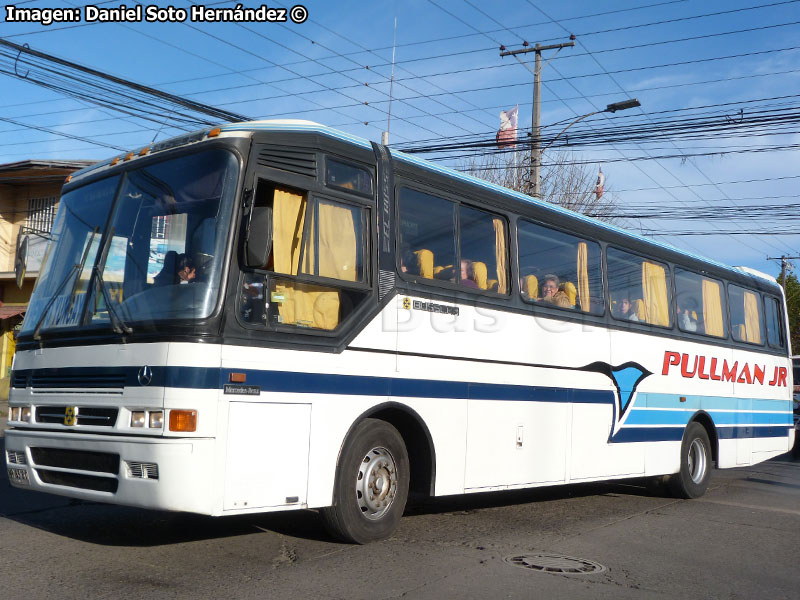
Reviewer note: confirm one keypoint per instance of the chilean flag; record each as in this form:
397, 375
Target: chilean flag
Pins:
601, 181
507, 134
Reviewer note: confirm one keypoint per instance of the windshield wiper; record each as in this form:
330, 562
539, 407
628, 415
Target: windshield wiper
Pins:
53, 298
76, 267
117, 323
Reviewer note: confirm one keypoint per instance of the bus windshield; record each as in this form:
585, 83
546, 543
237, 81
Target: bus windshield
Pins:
140, 247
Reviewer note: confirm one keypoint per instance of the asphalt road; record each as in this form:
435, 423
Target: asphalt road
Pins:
738, 541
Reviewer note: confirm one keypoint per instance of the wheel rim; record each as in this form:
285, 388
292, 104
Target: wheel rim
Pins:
698, 461
376, 483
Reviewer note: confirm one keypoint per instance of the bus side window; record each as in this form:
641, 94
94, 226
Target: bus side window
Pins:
746, 317
484, 250
254, 305
701, 304
560, 269
427, 242
314, 240
640, 285
774, 316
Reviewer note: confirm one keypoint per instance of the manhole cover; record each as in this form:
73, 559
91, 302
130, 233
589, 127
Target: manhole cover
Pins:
556, 563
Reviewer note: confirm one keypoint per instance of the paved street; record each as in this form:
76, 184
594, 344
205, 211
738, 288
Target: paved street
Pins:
739, 541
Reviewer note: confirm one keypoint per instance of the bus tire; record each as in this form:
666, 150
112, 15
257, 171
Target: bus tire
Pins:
371, 487
692, 480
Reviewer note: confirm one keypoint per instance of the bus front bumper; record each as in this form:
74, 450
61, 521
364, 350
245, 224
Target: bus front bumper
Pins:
156, 473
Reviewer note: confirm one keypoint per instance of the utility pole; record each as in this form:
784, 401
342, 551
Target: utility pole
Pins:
785, 266
536, 116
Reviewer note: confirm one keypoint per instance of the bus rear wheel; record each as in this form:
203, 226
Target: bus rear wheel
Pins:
692, 480
371, 486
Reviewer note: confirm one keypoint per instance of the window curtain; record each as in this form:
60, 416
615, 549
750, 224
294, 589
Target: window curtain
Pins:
752, 322
656, 301
712, 308
288, 212
298, 304
337, 242
532, 287
583, 276
500, 255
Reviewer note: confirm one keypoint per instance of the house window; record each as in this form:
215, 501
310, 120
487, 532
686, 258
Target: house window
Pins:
41, 213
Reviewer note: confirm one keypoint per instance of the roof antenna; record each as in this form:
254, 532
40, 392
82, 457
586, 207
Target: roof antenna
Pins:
385, 136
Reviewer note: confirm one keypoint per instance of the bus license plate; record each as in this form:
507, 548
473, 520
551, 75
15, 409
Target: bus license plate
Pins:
19, 476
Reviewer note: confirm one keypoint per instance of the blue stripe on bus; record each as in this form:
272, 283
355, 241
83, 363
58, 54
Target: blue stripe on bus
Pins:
727, 433
648, 434
729, 425
362, 385
669, 417
326, 383
709, 403
358, 385
675, 434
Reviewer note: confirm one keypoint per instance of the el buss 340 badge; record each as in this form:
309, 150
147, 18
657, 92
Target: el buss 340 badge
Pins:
431, 307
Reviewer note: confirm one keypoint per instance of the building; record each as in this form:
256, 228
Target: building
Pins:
29, 193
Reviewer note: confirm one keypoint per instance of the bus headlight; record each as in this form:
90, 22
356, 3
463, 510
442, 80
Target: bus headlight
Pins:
137, 418
156, 420
25, 414
14, 413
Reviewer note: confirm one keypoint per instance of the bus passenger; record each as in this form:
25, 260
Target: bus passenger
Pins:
186, 270
561, 299
686, 308
468, 274
629, 310
550, 287
624, 309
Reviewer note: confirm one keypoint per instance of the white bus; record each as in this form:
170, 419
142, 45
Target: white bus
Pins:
275, 315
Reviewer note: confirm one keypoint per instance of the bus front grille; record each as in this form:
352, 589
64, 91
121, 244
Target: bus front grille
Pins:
79, 460
86, 415
78, 480
41, 381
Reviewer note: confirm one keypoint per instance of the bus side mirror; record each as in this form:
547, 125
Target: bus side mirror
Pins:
259, 237
21, 261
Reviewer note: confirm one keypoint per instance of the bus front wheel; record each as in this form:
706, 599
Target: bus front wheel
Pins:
371, 486
692, 480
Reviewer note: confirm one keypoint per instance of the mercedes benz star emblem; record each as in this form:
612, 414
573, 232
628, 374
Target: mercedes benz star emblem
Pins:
145, 375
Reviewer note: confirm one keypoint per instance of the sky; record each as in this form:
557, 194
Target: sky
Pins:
725, 63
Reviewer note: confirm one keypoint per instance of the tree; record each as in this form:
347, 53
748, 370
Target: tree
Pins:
793, 308
564, 181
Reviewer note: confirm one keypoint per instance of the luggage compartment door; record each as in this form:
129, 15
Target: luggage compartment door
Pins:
267, 459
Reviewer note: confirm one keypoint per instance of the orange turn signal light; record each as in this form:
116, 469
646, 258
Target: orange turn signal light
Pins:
115, 161
238, 377
183, 420
144, 151
129, 156
214, 132
68, 179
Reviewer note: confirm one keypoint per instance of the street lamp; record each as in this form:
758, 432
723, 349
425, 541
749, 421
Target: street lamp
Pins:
624, 105
610, 108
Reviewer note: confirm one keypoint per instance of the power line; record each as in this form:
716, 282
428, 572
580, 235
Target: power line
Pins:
344, 72
610, 75
95, 83
482, 109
